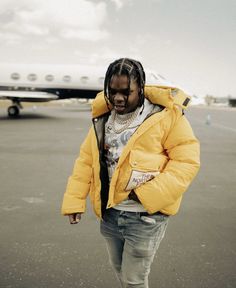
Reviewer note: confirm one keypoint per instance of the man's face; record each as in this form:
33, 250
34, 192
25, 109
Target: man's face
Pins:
124, 100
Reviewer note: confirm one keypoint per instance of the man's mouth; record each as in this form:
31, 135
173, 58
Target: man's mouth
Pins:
119, 107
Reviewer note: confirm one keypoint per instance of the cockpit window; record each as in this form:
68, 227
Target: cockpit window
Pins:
153, 77
15, 76
32, 77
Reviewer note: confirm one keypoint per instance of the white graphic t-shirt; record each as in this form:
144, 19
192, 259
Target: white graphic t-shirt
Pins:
115, 142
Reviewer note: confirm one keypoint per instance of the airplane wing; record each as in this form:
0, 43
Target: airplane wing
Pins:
28, 96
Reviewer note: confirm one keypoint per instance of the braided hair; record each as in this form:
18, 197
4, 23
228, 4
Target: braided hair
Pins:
133, 69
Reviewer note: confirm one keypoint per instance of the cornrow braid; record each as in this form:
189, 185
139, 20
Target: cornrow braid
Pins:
133, 69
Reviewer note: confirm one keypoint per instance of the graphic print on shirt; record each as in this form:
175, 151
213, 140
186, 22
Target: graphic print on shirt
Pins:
113, 146
116, 141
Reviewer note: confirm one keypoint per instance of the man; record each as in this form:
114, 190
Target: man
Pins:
137, 160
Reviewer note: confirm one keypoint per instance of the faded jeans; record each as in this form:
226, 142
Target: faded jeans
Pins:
132, 240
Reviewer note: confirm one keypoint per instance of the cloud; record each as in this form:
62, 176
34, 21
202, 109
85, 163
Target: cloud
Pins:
119, 3
11, 38
68, 19
102, 56
84, 34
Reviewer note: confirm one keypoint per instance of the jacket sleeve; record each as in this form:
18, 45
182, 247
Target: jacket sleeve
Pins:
78, 185
183, 152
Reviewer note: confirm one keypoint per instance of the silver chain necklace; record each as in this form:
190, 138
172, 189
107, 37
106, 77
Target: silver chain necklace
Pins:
125, 123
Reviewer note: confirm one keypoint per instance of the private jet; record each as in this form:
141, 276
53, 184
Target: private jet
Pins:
41, 83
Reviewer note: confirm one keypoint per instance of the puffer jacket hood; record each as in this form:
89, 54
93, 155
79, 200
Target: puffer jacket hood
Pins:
160, 95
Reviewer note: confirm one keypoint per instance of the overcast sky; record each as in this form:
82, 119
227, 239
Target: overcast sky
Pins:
190, 42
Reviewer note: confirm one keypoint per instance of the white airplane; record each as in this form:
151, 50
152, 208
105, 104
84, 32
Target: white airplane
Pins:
42, 83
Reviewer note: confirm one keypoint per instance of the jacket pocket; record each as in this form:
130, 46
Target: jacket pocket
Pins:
143, 161
144, 167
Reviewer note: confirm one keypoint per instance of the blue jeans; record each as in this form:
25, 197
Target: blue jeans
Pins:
132, 240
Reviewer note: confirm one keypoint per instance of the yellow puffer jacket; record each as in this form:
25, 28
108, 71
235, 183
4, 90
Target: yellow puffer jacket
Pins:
163, 145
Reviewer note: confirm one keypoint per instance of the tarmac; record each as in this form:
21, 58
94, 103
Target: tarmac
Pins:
39, 248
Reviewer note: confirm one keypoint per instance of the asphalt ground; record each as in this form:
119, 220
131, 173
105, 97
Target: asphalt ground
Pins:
39, 248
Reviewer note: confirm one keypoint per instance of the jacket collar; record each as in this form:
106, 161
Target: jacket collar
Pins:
160, 95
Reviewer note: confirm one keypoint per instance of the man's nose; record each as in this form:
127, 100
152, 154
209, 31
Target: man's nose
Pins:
118, 97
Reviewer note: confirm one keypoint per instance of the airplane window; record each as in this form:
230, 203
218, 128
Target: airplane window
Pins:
66, 78
84, 79
49, 77
15, 76
32, 77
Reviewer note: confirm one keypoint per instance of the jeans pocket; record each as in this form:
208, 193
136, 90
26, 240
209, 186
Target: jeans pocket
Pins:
148, 220
154, 218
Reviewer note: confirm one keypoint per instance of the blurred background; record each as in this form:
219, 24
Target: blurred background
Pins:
191, 43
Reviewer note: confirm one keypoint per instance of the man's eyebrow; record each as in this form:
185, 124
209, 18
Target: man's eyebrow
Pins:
124, 90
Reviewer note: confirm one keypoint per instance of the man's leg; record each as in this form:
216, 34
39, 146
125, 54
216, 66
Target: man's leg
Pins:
114, 241
142, 238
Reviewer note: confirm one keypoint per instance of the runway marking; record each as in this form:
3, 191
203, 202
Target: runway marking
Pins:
223, 127
215, 125
10, 208
32, 200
